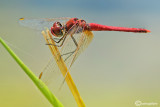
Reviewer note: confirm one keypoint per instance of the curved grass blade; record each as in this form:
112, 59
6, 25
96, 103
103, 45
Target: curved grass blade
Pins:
41, 86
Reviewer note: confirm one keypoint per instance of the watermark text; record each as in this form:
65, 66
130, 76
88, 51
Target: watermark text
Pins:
140, 103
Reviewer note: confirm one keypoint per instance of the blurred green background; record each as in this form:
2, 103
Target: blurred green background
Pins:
116, 70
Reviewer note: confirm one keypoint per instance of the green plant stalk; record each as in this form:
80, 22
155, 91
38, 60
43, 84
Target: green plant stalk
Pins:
41, 86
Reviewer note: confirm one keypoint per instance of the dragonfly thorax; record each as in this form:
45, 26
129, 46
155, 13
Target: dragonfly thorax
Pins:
57, 29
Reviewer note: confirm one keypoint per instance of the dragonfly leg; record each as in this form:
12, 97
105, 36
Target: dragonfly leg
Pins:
56, 40
67, 54
71, 33
71, 53
63, 38
59, 40
74, 40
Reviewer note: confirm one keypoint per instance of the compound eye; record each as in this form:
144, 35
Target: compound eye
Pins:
59, 24
57, 29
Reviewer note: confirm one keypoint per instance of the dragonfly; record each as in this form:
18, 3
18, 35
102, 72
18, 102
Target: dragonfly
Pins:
72, 35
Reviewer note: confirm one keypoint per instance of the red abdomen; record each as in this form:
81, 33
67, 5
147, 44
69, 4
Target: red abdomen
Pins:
98, 27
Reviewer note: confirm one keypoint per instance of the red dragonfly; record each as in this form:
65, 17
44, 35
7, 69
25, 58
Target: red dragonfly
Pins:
72, 35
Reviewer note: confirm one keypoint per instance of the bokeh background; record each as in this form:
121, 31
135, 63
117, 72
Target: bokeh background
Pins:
116, 70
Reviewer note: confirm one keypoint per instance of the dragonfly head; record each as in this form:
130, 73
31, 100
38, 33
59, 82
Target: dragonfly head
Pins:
57, 29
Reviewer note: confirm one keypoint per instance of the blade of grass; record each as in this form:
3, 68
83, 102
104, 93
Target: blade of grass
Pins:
63, 68
41, 86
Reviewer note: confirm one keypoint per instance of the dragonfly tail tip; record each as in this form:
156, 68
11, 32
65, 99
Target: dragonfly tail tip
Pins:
148, 31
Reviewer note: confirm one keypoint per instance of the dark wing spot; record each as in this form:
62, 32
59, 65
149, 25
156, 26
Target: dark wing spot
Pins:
21, 18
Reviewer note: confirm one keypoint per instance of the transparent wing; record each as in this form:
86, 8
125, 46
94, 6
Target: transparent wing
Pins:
52, 75
41, 23
83, 42
69, 52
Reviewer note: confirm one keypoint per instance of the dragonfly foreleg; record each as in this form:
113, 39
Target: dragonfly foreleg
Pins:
63, 38
59, 40
71, 53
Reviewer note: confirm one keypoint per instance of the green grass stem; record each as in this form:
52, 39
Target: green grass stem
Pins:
41, 86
